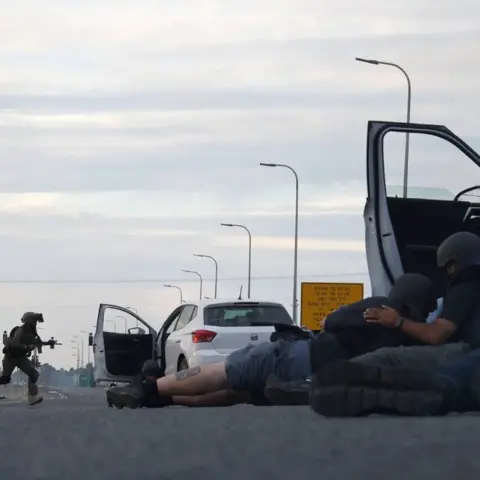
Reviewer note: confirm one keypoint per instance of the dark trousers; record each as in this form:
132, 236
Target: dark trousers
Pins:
25, 365
460, 390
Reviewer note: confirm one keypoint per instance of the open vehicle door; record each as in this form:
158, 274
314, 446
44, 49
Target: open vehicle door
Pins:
403, 234
120, 356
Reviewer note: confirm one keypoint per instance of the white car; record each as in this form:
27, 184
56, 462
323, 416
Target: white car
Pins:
195, 333
402, 234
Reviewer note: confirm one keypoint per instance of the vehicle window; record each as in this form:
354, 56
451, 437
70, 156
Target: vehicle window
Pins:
172, 326
185, 316
245, 315
429, 159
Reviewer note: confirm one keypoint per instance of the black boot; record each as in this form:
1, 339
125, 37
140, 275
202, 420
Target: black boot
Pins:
137, 394
345, 389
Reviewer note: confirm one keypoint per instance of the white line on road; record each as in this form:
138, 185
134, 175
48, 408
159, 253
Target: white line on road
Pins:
60, 394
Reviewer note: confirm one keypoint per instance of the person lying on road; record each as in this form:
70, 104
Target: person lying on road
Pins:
242, 378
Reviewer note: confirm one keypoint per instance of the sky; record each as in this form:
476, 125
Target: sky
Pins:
130, 130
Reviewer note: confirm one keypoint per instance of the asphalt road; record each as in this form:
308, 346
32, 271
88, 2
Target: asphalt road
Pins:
74, 435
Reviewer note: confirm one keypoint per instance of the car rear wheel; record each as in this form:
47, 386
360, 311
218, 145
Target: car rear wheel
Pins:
182, 364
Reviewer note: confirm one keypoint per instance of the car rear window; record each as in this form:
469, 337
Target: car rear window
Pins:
246, 315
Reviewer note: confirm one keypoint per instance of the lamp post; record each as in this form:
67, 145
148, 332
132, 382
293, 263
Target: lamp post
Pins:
179, 290
88, 349
125, 321
75, 345
295, 247
133, 309
216, 269
409, 106
199, 276
81, 355
236, 225
114, 325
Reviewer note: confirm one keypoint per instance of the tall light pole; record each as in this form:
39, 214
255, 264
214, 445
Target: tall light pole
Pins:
114, 325
199, 276
75, 343
78, 337
249, 251
409, 106
88, 349
179, 290
133, 309
125, 321
216, 270
295, 247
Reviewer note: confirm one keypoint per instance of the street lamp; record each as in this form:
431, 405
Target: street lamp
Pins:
295, 248
81, 356
124, 319
249, 251
409, 105
199, 276
133, 309
88, 349
114, 325
216, 269
179, 290
75, 343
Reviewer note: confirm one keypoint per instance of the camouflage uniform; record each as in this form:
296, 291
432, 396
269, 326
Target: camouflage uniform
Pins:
17, 349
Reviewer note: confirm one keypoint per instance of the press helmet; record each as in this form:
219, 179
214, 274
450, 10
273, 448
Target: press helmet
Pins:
461, 248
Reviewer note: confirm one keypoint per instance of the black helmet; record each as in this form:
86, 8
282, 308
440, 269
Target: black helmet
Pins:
413, 295
32, 318
462, 248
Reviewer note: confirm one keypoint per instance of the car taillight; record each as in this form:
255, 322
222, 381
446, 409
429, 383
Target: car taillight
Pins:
203, 336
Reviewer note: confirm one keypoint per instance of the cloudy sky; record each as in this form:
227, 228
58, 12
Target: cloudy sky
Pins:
129, 130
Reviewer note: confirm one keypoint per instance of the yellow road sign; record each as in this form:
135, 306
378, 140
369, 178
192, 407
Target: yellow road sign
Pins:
320, 299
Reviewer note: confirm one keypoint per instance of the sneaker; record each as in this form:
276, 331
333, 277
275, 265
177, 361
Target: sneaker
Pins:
345, 389
279, 392
34, 399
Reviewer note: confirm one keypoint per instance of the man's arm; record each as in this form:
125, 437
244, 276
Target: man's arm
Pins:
434, 333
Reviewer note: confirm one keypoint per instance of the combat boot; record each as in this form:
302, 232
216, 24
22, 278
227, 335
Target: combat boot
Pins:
136, 395
34, 399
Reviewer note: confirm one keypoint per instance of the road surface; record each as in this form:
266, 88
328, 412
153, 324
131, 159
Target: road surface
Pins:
74, 435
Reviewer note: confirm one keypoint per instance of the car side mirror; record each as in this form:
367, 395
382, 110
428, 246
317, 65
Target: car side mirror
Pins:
139, 331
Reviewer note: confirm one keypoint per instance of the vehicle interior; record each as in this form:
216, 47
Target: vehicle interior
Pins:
125, 353
420, 225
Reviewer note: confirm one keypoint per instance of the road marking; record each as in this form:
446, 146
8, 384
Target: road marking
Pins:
61, 395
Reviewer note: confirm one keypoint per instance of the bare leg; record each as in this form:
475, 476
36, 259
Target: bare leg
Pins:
194, 381
221, 398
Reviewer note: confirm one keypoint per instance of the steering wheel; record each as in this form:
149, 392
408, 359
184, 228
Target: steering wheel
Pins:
463, 192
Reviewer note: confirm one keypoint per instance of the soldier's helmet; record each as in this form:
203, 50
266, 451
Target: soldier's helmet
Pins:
32, 317
461, 249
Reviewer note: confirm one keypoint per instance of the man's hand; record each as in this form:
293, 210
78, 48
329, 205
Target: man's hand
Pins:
385, 316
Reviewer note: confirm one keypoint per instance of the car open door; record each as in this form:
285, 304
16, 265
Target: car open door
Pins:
402, 234
120, 356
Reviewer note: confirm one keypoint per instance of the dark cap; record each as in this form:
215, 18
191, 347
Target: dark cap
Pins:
413, 295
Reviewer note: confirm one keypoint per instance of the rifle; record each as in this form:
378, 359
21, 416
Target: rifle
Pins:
51, 343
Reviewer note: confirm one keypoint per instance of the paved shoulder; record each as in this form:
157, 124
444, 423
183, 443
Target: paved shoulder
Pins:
238, 443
